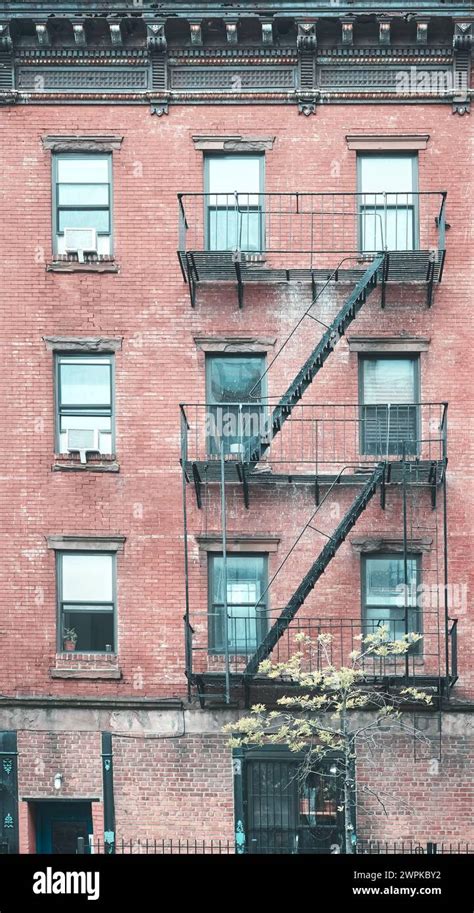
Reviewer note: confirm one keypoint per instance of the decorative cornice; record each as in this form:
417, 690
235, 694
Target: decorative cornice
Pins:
388, 343
385, 543
234, 343
212, 542
233, 143
83, 343
82, 143
86, 543
374, 142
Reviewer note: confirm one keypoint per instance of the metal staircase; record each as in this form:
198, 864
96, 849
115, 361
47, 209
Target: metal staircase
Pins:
313, 364
359, 504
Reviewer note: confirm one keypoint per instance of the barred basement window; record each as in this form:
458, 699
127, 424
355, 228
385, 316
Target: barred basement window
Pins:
84, 397
389, 414
246, 622
86, 601
82, 203
234, 202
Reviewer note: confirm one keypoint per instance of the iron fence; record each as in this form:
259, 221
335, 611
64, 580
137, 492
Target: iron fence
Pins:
412, 847
228, 847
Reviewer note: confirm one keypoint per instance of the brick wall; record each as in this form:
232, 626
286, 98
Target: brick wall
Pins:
167, 789
160, 366
147, 303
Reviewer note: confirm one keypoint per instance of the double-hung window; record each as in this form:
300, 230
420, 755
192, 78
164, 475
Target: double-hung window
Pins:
82, 199
234, 394
389, 393
245, 622
385, 601
86, 596
84, 394
234, 202
387, 202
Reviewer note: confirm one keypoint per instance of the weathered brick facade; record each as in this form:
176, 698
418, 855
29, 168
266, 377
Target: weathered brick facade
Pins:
170, 781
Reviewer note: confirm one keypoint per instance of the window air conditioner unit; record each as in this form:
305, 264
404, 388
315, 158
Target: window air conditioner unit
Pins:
83, 441
80, 241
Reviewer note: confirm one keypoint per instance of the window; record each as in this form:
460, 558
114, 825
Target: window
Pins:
85, 399
82, 197
233, 380
86, 593
387, 202
234, 202
246, 622
287, 812
383, 596
389, 391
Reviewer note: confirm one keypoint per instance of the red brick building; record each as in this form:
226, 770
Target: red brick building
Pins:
313, 170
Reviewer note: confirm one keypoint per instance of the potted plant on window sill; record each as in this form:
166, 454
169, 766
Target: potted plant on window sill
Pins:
69, 640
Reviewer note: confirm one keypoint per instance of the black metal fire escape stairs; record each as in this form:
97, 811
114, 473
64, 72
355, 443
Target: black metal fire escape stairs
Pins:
313, 364
374, 478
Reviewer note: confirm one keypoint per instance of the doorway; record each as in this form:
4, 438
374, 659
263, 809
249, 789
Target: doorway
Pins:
60, 823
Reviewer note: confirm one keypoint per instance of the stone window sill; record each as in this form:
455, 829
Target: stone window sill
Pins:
68, 462
67, 264
86, 666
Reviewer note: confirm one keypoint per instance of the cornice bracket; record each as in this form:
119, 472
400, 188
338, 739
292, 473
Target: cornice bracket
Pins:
42, 34
156, 38
306, 38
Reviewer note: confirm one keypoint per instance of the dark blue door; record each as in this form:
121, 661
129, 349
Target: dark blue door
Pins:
59, 824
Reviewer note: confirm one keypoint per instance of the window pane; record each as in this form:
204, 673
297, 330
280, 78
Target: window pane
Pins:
229, 173
232, 379
391, 229
92, 169
85, 384
230, 229
246, 619
385, 580
83, 194
389, 380
386, 173
84, 218
394, 621
87, 578
101, 423
95, 630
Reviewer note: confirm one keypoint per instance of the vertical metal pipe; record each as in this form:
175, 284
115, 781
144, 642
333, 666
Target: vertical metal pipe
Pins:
187, 645
224, 568
405, 556
446, 600
108, 793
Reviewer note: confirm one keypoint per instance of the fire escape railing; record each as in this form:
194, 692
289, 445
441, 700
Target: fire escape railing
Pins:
318, 438
312, 222
341, 637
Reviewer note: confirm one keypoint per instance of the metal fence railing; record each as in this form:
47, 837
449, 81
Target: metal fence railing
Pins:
225, 846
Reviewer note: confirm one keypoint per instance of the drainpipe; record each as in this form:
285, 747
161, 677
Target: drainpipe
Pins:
108, 792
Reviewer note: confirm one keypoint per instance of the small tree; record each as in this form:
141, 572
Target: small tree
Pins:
321, 718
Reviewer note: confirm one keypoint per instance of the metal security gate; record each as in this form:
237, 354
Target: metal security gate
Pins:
8, 793
288, 814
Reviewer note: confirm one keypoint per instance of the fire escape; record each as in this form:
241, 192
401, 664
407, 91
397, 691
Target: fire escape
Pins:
353, 243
